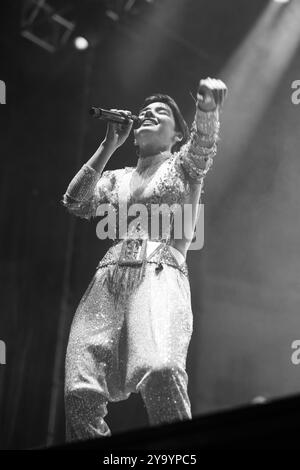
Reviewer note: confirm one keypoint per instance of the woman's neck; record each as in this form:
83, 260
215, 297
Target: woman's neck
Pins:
144, 163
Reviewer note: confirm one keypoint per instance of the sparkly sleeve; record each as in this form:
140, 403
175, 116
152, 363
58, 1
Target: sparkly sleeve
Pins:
86, 191
196, 156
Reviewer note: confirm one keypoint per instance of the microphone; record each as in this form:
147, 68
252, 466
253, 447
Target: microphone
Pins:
113, 116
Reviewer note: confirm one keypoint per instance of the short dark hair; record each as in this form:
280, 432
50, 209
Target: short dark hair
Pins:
181, 125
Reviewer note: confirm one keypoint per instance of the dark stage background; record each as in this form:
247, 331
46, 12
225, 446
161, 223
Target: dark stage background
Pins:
245, 281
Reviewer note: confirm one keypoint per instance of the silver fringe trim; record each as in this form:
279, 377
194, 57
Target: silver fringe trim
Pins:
121, 281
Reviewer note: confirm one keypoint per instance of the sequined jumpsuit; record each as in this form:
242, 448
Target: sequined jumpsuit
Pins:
132, 328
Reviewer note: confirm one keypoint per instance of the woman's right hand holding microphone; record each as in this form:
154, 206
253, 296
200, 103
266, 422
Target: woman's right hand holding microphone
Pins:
116, 134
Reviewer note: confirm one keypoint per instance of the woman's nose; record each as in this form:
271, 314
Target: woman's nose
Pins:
149, 113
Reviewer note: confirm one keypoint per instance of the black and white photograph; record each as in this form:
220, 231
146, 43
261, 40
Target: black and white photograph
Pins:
150, 227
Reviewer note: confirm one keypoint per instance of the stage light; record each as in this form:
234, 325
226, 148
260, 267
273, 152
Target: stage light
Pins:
281, 1
81, 43
263, 57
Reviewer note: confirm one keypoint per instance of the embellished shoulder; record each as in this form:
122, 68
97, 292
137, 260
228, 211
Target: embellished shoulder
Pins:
128, 169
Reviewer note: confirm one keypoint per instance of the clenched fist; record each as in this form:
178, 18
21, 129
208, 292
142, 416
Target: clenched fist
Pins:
211, 94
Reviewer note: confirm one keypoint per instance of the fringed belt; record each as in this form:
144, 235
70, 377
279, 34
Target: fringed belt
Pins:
128, 260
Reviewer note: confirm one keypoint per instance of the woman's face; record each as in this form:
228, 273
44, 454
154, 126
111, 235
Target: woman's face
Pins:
157, 128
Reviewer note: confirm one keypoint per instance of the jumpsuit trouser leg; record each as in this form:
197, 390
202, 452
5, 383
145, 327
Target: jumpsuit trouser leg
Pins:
137, 347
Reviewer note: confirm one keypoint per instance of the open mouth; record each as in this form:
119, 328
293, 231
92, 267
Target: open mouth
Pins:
149, 122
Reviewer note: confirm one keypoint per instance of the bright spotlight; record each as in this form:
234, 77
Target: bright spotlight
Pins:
81, 43
281, 1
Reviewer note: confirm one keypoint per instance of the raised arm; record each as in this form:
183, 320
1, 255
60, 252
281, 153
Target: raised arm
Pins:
196, 156
91, 186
